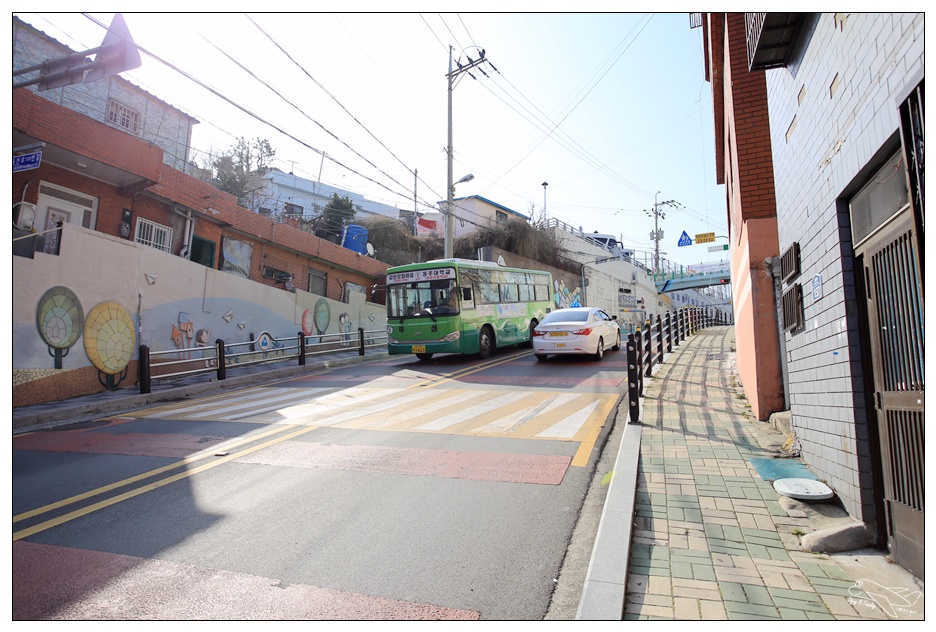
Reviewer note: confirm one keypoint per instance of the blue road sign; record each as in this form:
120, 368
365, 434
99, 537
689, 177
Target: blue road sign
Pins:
685, 240
25, 162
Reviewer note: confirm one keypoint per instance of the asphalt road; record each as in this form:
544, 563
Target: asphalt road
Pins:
386, 490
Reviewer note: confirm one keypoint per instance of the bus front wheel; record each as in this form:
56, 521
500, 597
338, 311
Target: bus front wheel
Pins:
485, 342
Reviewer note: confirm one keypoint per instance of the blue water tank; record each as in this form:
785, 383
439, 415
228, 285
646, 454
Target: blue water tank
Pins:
355, 238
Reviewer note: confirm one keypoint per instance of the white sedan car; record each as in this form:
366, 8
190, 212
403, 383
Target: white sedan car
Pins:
581, 330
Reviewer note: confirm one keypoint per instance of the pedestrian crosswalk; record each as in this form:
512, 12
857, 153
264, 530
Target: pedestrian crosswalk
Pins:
479, 412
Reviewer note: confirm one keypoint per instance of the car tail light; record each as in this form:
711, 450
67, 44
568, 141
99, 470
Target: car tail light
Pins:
537, 333
583, 332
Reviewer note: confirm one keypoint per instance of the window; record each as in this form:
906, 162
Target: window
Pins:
120, 115
293, 210
153, 234
911, 127
790, 262
235, 257
317, 282
509, 293
203, 251
280, 276
490, 293
500, 216
793, 308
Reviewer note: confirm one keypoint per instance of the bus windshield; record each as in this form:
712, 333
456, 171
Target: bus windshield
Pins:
425, 298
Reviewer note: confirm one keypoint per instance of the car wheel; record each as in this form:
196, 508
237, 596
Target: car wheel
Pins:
617, 345
485, 342
425, 357
599, 351
540, 356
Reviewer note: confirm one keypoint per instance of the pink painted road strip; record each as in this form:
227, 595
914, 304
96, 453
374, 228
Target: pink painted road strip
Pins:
61, 583
479, 466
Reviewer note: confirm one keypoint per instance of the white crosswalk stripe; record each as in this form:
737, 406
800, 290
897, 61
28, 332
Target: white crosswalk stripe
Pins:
548, 415
567, 428
507, 423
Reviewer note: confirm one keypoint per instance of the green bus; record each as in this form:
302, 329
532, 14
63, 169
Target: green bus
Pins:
463, 306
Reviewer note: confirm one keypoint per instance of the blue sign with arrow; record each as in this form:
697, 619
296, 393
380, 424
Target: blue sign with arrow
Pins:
685, 240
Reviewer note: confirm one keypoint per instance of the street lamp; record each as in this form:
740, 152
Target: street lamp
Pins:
450, 215
545, 184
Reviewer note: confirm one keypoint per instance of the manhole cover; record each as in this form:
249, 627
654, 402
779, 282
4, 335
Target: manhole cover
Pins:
803, 489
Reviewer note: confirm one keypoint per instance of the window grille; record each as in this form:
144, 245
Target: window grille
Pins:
793, 308
153, 234
790, 263
122, 116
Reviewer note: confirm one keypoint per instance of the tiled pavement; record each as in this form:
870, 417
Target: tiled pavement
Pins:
710, 538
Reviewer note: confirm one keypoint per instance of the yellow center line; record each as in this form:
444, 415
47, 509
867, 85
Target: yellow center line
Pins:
139, 477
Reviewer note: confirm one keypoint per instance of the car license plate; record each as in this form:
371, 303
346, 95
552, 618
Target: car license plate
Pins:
559, 344
419, 348
558, 334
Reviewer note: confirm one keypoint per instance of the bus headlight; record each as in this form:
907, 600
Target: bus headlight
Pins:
392, 340
452, 337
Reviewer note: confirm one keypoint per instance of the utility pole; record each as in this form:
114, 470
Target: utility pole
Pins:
657, 234
450, 202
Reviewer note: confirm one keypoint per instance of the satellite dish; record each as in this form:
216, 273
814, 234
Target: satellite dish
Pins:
501, 262
370, 250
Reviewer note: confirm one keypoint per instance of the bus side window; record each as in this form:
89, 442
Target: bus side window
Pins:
466, 293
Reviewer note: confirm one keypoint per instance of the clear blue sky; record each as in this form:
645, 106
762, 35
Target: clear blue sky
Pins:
608, 108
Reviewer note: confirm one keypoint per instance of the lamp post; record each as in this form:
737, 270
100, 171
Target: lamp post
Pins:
545, 184
449, 216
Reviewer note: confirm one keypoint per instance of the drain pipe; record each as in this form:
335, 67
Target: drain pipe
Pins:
773, 266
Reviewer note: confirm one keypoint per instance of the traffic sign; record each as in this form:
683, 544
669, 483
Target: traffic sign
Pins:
25, 162
704, 238
718, 248
685, 240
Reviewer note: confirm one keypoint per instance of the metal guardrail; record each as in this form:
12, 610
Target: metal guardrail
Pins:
219, 358
647, 347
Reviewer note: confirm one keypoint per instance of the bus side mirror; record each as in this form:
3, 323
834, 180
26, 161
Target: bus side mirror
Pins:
466, 293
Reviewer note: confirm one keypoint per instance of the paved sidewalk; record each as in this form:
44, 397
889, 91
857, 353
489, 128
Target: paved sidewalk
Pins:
711, 539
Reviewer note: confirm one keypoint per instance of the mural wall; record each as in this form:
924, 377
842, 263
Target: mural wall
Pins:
89, 309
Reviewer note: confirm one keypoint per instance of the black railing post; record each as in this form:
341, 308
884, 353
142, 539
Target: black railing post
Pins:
638, 342
669, 332
659, 337
143, 366
302, 349
219, 346
648, 347
633, 373
361, 340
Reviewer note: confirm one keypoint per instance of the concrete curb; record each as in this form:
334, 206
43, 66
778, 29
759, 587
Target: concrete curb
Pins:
606, 578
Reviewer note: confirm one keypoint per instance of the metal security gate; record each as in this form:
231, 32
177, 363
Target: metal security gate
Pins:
890, 254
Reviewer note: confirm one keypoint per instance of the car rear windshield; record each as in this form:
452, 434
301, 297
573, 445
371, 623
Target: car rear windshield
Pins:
565, 317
